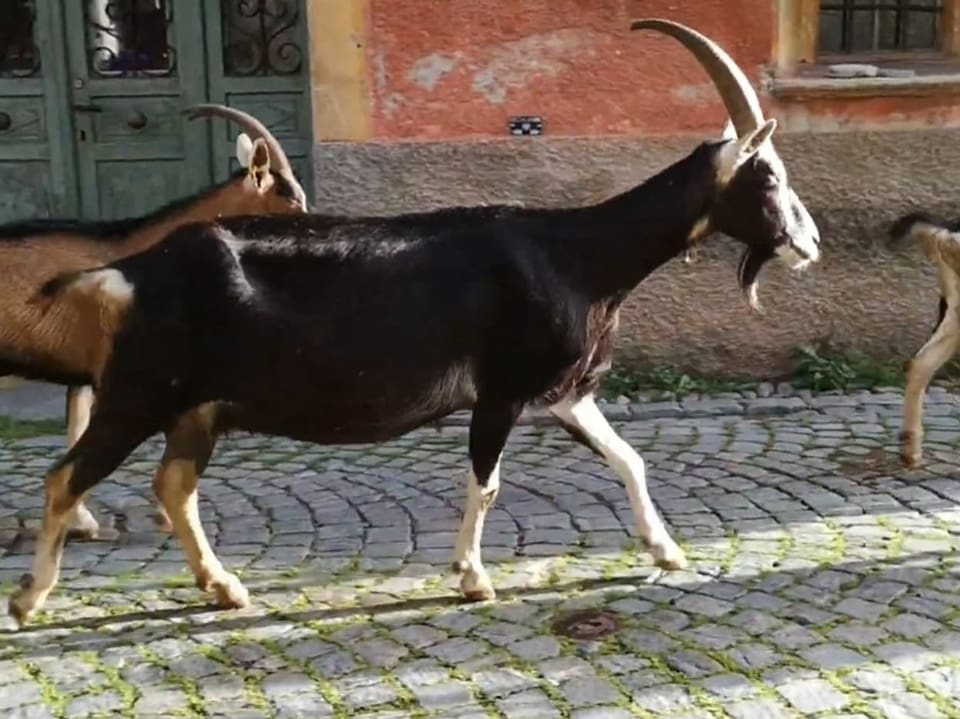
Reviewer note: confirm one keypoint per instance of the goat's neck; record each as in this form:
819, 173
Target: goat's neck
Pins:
208, 206
628, 237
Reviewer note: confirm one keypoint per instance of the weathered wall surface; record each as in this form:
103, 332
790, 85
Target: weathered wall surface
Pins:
442, 79
460, 68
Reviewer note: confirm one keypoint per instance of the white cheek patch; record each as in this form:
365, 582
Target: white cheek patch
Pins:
803, 247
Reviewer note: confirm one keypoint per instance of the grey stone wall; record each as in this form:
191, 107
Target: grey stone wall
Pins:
863, 294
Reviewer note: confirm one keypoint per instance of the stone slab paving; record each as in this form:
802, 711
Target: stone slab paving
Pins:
824, 580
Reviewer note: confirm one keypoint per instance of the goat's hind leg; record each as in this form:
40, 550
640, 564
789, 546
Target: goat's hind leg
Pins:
98, 452
189, 446
489, 430
81, 524
938, 349
583, 419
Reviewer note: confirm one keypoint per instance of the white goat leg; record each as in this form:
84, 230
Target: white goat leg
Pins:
475, 584
80, 521
584, 415
931, 357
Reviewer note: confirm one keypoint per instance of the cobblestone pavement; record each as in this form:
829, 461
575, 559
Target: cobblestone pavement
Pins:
824, 580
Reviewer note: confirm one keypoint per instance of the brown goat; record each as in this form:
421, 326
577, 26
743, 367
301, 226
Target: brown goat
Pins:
55, 347
940, 241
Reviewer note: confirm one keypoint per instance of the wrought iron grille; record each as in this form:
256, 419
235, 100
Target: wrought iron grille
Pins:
130, 38
852, 26
260, 37
19, 55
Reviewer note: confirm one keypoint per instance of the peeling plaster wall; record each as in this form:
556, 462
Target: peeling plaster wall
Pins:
460, 68
444, 76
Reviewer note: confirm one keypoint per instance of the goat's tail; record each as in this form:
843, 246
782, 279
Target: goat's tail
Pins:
103, 284
57, 284
920, 227
939, 238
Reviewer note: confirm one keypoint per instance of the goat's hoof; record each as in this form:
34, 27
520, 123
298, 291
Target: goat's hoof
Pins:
84, 529
910, 450
911, 458
477, 587
162, 520
667, 554
231, 594
83, 534
23, 603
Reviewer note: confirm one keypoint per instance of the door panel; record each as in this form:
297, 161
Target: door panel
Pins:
127, 93
30, 145
134, 187
258, 59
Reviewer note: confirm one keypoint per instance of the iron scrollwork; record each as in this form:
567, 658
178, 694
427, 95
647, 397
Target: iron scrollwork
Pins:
19, 54
130, 38
260, 37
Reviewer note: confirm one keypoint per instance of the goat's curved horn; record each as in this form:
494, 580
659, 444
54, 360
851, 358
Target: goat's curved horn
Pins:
278, 158
735, 89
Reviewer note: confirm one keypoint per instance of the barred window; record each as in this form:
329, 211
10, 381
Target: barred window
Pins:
859, 26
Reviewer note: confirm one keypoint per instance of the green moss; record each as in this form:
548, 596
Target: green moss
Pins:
51, 696
195, 706
127, 692
629, 382
13, 429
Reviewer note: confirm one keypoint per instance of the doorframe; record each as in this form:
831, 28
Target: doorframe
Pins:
49, 29
220, 88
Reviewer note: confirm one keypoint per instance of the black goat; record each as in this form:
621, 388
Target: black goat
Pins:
339, 330
941, 243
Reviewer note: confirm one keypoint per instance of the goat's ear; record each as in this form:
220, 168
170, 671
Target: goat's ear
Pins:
741, 149
258, 167
749, 145
729, 131
244, 149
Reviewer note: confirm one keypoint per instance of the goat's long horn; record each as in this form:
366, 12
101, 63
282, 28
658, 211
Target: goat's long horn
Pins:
735, 89
278, 158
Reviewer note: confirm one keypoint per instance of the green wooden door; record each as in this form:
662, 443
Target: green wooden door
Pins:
134, 65
91, 94
37, 176
258, 61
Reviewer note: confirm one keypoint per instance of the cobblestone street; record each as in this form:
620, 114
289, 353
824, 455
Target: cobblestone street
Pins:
824, 580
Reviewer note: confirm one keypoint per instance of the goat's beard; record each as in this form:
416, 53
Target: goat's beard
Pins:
748, 273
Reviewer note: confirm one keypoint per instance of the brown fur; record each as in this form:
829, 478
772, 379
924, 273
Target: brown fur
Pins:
54, 339
70, 342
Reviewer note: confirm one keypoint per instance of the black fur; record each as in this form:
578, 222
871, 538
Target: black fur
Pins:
358, 330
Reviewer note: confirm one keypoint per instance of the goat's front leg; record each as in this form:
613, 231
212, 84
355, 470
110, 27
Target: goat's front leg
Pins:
99, 451
938, 349
188, 449
81, 523
489, 430
581, 416
36, 587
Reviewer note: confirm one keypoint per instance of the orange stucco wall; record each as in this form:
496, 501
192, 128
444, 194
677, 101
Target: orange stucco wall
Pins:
458, 69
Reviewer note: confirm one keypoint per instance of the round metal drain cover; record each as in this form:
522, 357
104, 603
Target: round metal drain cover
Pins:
586, 624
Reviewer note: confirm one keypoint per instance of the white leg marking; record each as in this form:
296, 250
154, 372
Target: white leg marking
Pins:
79, 405
586, 416
475, 584
931, 357
36, 587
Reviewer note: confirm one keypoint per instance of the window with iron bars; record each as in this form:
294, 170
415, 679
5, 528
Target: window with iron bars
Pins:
856, 26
